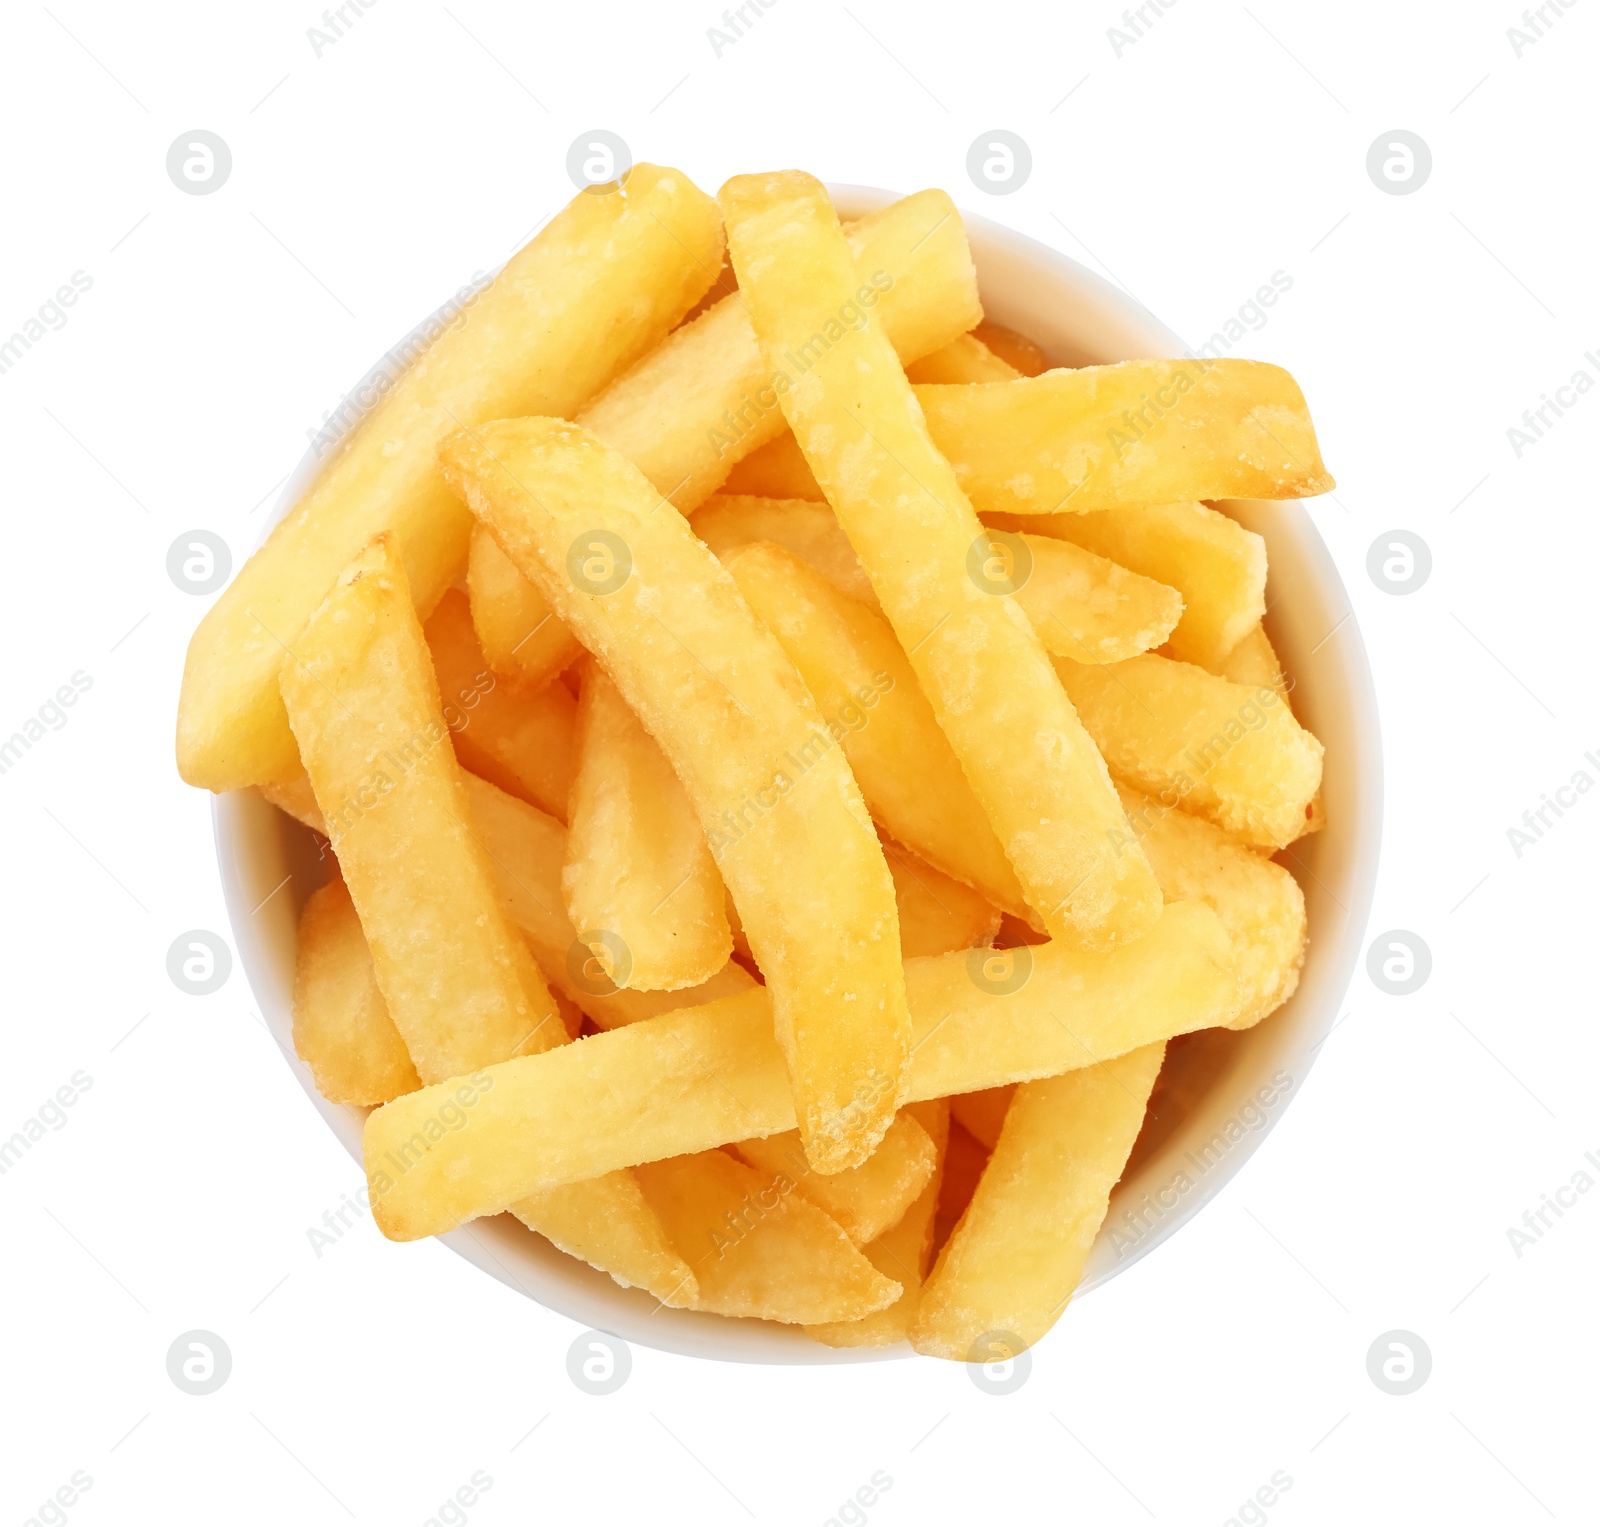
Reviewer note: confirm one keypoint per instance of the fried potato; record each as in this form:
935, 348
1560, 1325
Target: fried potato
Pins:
982, 1114
1140, 432
868, 694
757, 1250
965, 1160
597, 288
700, 1077
705, 398
777, 469
1254, 663
1017, 1255
519, 739
521, 636
637, 865
1015, 349
964, 360
1029, 761
1258, 903
864, 1201
937, 914
1218, 566
342, 1028
809, 530
361, 696
1233, 755
902, 1252
783, 815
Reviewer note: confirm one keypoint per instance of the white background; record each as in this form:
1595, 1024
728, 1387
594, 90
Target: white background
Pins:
367, 184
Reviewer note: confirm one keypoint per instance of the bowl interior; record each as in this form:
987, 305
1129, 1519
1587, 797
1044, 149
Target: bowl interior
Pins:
1220, 1092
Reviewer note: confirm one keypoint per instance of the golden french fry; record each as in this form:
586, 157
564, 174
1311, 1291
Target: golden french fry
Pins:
1218, 566
296, 798
777, 469
728, 522
902, 1252
937, 914
597, 288
1254, 662
1014, 1260
1014, 349
1140, 432
1029, 761
704, 399
982, 1114
1258, 903
521, 636
361, 696
784, 817
964, 360
868, 693
864, 1201
638, 868
1233, 755
700, 1077
756, 1249
342, 1028
519, 739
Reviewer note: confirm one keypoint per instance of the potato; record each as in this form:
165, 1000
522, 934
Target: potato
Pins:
937, 914
1015, 349
598, 287
966, 359
776, 470
522, 637
808, 530
705, 398
869, 696
1031, 765
1258, 903
342, 1028
1140, 432
757, 1248
700, 1077
1254, 662
902, 1252
982, 1114
866, 1200
1218, 566
360, 694
773, 792
1233, 755
519, 739
1018, 1253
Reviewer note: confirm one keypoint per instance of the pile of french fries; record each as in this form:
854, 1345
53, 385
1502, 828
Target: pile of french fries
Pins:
792, 761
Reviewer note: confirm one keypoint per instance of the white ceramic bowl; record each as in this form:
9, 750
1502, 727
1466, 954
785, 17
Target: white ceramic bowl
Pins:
1220, 1091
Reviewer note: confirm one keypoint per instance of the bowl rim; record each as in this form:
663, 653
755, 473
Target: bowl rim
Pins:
579, 1292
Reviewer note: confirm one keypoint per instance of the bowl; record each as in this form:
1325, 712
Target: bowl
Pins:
1220, 1092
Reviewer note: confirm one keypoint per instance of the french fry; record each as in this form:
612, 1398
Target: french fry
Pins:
521, 636
704, 399
361, 696
864, 1201
1014, 349
1218, 566
1254, 662
963, 360
868, 693
1140, 432
700, 1077
597, 288
901, 1252
342, 1028
1233, 755
1258, 903
727, 523
965, 1158
1014, 1260
982, 1114
777, 469
1030, 763
519, 739
784, 817
937, 914
637, 865
756, 1250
